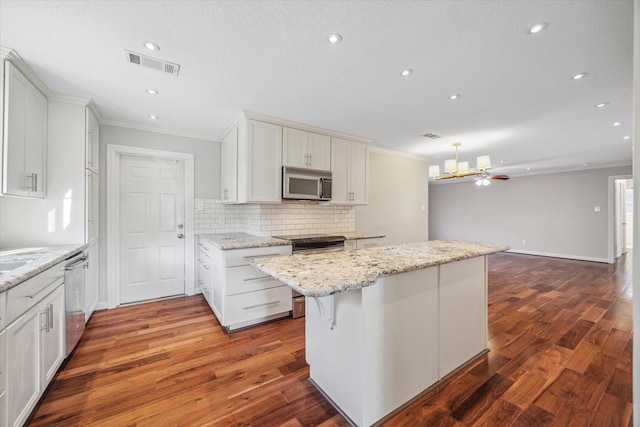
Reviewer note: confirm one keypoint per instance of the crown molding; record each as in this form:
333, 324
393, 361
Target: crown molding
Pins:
157, 130
390, 152
13, 57
291, 124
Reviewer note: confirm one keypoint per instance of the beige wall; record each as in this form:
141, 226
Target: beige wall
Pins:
554, 213
398, 197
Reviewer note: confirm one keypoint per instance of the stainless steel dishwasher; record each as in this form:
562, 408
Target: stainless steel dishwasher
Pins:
74, 283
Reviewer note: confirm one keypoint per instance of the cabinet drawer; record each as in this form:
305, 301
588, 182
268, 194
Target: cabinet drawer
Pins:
3, 368
248, 279
236, 257
370, 243
3, 310
256, 305
204, 246
28, 293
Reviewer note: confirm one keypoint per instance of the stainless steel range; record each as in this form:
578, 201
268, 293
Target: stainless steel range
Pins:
311, 244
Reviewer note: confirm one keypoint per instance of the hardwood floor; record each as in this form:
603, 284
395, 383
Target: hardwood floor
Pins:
560, 355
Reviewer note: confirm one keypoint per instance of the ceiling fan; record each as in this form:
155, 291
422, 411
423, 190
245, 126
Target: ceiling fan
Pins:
456, 169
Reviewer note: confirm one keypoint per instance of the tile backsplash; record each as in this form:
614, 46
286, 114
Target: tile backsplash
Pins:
213, 217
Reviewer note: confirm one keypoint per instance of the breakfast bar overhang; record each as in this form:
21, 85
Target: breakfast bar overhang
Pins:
385, 324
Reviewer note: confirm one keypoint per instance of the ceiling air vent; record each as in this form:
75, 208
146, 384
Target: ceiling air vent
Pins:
430, 135
145, 61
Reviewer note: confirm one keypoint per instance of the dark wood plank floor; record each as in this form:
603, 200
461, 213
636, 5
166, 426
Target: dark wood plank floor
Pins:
560, 355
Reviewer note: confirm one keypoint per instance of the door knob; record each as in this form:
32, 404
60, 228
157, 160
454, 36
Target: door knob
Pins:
180, 226
180, 236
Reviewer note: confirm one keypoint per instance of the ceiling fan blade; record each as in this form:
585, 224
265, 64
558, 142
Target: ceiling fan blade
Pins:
500, 177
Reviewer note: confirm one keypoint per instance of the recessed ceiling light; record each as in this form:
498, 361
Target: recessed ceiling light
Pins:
152, 91
586, 164
152, 117
501, 161
151, 46
617, 123
407, 72
528, 169
626, 137
602, 104
335, 38
454, 96
580, 76
538, 27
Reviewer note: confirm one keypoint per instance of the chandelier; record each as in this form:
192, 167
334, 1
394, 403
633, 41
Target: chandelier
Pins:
454, 168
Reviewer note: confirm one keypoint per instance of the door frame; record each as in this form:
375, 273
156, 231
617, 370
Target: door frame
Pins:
114, 153
611, 216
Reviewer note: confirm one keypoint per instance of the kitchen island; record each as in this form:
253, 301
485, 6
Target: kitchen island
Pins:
385, 324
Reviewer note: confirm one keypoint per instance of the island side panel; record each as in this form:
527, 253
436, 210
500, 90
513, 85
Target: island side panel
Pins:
463, 312
383, 347
334, 354
400, 340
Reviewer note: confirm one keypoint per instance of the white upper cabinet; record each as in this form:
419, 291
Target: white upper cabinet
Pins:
259, 162
229, 167
24, 135
255, 148
308, 150
92, 149
349, 167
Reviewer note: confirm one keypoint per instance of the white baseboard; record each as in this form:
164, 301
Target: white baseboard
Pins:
565, 256
101, 306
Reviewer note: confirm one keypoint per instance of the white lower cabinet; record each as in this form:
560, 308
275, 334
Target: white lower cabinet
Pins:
3, 376
353, 244
33, 343
91, 280
242, 294
204, 270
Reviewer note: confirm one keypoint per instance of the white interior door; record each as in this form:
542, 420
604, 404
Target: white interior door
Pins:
152, 213
629, 215
620, 217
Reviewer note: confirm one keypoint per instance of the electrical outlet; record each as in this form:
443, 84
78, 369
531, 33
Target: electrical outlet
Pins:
524, 241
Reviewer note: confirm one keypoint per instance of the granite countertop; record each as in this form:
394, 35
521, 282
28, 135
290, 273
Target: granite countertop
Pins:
228, 241
352, 235
326, 274
38, 259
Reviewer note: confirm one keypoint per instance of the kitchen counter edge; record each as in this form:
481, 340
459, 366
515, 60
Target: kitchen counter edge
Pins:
320, 275
230, 241
39, 260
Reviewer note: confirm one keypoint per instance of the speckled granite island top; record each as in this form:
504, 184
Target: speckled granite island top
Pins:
228, 241
37, 260
326, 274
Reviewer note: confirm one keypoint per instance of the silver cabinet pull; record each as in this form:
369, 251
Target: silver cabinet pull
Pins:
180, 236
261, 305
260, 256
50, 316
251, 279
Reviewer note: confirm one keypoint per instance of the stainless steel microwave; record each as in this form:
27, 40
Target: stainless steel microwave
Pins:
305, 184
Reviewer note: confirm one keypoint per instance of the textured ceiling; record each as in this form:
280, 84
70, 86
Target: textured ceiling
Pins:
518, 102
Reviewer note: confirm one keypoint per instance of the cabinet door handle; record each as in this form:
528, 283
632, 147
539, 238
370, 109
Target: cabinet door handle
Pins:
260, 256
309, 159
251, 279
50, 316
261, 305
